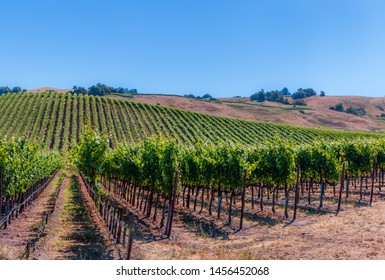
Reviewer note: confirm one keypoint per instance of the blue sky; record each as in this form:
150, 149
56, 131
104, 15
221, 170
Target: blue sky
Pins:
222, 47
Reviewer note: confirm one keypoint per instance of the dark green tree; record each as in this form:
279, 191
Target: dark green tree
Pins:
303, 93
258, 96
339, 107
16, 89
285, 91
207, 96
5, 90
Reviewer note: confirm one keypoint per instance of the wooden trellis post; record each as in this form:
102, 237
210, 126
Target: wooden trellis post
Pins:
173, 203
243, 199
129, 245
296, 198
372, 189
342, 187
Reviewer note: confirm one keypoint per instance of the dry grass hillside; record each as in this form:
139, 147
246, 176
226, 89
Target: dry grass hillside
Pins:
315, 114
44, 89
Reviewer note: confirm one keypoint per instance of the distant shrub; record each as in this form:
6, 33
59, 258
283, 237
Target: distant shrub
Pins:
299, 102
356, 111
190, 96
338, 107
350, 110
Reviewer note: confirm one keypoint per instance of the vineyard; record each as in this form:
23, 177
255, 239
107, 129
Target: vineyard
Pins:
157, 173
23, 171
56, 120
142, 168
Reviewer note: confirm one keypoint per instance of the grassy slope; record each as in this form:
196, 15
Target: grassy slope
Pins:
316, 113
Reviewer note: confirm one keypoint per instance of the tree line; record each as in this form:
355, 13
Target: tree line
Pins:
6, 89
101, 90
280, 95
206, 96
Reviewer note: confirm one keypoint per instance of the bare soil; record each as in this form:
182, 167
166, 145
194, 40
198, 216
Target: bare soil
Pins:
355, 233
74, 230
44, 89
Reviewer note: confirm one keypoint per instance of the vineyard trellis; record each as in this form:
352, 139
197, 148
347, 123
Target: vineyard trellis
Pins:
223, 165
24, 171
143, 174
113, 219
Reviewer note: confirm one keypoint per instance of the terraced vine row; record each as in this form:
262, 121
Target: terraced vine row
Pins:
56, 120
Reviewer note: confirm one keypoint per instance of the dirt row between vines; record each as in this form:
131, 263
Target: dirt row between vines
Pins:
75, 232
74, 229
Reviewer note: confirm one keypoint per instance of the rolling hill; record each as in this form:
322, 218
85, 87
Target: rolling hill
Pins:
55, 120
315, 114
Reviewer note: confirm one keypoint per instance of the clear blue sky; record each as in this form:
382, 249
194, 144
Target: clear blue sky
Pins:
220, 47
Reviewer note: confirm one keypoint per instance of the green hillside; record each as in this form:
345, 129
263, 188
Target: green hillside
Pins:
55, 120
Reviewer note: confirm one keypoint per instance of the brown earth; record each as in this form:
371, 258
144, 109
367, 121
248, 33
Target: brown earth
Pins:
315, 114
355, 233
74, 230
43, 89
